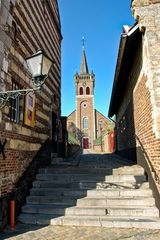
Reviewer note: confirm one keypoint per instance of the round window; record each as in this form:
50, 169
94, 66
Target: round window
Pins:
84, 105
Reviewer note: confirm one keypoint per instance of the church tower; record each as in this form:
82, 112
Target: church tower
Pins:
85, 113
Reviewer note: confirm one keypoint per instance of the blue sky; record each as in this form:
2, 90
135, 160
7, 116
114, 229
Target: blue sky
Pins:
100, 22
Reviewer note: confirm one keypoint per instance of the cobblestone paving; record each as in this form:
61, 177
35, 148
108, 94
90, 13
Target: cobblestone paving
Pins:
26, 232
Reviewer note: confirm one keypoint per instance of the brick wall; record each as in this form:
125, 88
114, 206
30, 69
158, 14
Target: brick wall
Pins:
146, 139
147, 13
21, 189
26, 26
149, 21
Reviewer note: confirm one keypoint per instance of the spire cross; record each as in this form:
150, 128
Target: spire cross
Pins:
83, 42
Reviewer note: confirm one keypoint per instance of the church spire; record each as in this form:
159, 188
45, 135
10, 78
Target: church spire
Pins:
84, 66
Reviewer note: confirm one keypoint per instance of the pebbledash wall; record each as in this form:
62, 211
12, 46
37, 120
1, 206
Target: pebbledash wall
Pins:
26, 26
138, 115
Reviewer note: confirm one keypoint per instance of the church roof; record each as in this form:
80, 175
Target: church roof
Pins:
84, 66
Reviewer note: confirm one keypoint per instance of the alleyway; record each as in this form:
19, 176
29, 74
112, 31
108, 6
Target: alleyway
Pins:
92, 160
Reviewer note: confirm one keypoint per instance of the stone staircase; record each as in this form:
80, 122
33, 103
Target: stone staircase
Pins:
118, 196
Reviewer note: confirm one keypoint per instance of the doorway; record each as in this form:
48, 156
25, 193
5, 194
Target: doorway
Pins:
85, 143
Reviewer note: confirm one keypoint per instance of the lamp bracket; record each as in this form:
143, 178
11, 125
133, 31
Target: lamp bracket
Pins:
13, 94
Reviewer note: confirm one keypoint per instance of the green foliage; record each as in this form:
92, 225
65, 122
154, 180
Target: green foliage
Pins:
98, 141
109, 127
72, 139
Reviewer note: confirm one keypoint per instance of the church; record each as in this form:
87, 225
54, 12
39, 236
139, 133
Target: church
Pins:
86, 124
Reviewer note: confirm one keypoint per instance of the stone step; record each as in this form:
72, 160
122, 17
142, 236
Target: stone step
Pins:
134, 211
101, 201
106, 221
133, 170
90, 193
51, 200
50, 184
75, 170
92, 211
103, 221
66, 178
138, 201
90, 185
113, 185
37, 219
59, 161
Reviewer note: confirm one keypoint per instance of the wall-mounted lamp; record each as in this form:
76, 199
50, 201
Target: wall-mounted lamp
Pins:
39, 65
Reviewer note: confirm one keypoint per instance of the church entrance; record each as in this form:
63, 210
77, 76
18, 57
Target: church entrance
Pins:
85, 143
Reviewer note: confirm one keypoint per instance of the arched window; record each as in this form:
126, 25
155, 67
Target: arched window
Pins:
81, 91
85, 123
87, 90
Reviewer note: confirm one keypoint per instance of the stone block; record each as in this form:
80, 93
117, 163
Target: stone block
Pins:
1, 60
2, 75
5, 39
13, 2
5, 65
0, 116
42, 115
23, 145
24, 131
1, 47
43, 136
8, 126
6, 3
9, 20
4, 15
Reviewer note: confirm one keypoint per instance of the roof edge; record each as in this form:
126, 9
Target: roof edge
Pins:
122, 46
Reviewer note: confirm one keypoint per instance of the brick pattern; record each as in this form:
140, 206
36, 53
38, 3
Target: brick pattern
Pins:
143, 125
149, 20
147, 13
138, 117
23, 184
26, 26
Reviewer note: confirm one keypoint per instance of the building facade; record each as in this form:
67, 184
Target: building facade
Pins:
26, 123
135, 94
86, 123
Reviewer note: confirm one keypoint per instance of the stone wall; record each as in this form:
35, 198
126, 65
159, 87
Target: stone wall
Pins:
148, 15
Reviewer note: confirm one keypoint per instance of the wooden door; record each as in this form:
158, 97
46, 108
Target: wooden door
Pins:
85, 143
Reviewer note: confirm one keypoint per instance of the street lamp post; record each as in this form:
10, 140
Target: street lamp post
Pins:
39, 65
100, 125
